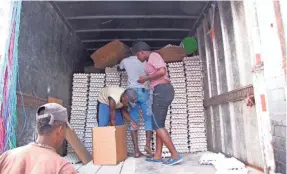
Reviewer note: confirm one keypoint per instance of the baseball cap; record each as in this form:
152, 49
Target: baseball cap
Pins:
140, 46
132, 95
55, 111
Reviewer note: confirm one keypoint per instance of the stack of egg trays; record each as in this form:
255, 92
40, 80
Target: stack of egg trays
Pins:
124, 80
79, 106
113, 79
196, 120
179, 127
97, 83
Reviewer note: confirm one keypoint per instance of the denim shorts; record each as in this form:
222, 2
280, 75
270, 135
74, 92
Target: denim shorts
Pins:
104, 115
143, 104
163, 95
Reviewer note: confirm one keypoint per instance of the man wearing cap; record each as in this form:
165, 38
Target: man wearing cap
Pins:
135, 69
40, 156
113, 105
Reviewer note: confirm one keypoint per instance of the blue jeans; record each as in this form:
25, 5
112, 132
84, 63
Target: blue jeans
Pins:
143, 97
104, 115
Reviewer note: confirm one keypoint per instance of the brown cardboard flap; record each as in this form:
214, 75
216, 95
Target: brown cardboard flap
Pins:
104, 145
110, 54
78, 147
172, 54
121, 141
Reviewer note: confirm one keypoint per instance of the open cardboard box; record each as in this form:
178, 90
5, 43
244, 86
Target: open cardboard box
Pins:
109, 145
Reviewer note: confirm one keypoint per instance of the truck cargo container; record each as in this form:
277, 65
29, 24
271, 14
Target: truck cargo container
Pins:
241, 44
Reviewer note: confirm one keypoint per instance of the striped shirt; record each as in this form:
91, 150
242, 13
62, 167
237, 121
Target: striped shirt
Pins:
154, 63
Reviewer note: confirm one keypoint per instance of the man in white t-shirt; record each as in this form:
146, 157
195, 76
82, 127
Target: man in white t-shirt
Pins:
135, 69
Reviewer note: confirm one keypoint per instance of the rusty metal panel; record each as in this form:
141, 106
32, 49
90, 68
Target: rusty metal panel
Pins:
231, 96
29, 100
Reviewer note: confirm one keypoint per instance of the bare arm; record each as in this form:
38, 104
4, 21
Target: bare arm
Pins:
112, 105
126, 115
158, 74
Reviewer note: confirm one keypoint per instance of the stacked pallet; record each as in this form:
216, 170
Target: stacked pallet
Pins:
196, 121
97, 82
79, 106
179, 131
113, 79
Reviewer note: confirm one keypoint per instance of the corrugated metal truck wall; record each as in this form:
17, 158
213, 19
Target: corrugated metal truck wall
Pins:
242, 45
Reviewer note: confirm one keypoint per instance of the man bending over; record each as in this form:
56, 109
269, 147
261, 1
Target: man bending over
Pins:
113, 105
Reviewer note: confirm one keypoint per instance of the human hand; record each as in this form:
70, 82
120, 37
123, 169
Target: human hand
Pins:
134, 125
142, 79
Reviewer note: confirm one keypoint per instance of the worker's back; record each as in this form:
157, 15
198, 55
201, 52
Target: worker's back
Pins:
34, 159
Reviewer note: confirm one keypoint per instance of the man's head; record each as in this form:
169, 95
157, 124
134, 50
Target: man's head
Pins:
129, 97
52, 120
142, 50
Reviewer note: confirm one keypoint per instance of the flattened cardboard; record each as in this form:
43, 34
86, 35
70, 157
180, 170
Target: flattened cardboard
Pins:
110, 54
172, 54
121, 142
109, 145
78, 146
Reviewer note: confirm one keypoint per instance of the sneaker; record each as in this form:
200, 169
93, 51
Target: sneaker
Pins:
171, 162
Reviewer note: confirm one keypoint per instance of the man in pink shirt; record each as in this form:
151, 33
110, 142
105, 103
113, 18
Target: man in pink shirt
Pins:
163, 94
41, 156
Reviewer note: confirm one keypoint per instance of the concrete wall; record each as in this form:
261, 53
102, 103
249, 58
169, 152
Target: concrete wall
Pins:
48, 56
244, 30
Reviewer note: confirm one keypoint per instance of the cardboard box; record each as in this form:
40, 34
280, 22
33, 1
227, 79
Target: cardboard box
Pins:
109, 145
172, 54
78, 146
110, 54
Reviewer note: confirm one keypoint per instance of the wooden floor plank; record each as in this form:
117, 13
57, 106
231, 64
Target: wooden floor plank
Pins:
89, 168
111, 169
129, 166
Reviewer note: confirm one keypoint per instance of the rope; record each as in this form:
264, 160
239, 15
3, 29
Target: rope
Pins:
8, 96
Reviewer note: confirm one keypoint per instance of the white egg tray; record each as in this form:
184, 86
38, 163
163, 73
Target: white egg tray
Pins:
78, 128
90, 125
94, 107
196, 120
178, 111
193, 84
92, 112
79, 108
197, 135
195, 94
75, 122
178, 80
79, 103
112, 85
98, 75
199, 130
88, 130
96, 85
179, 105
179, 70
177, 75
91, 117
